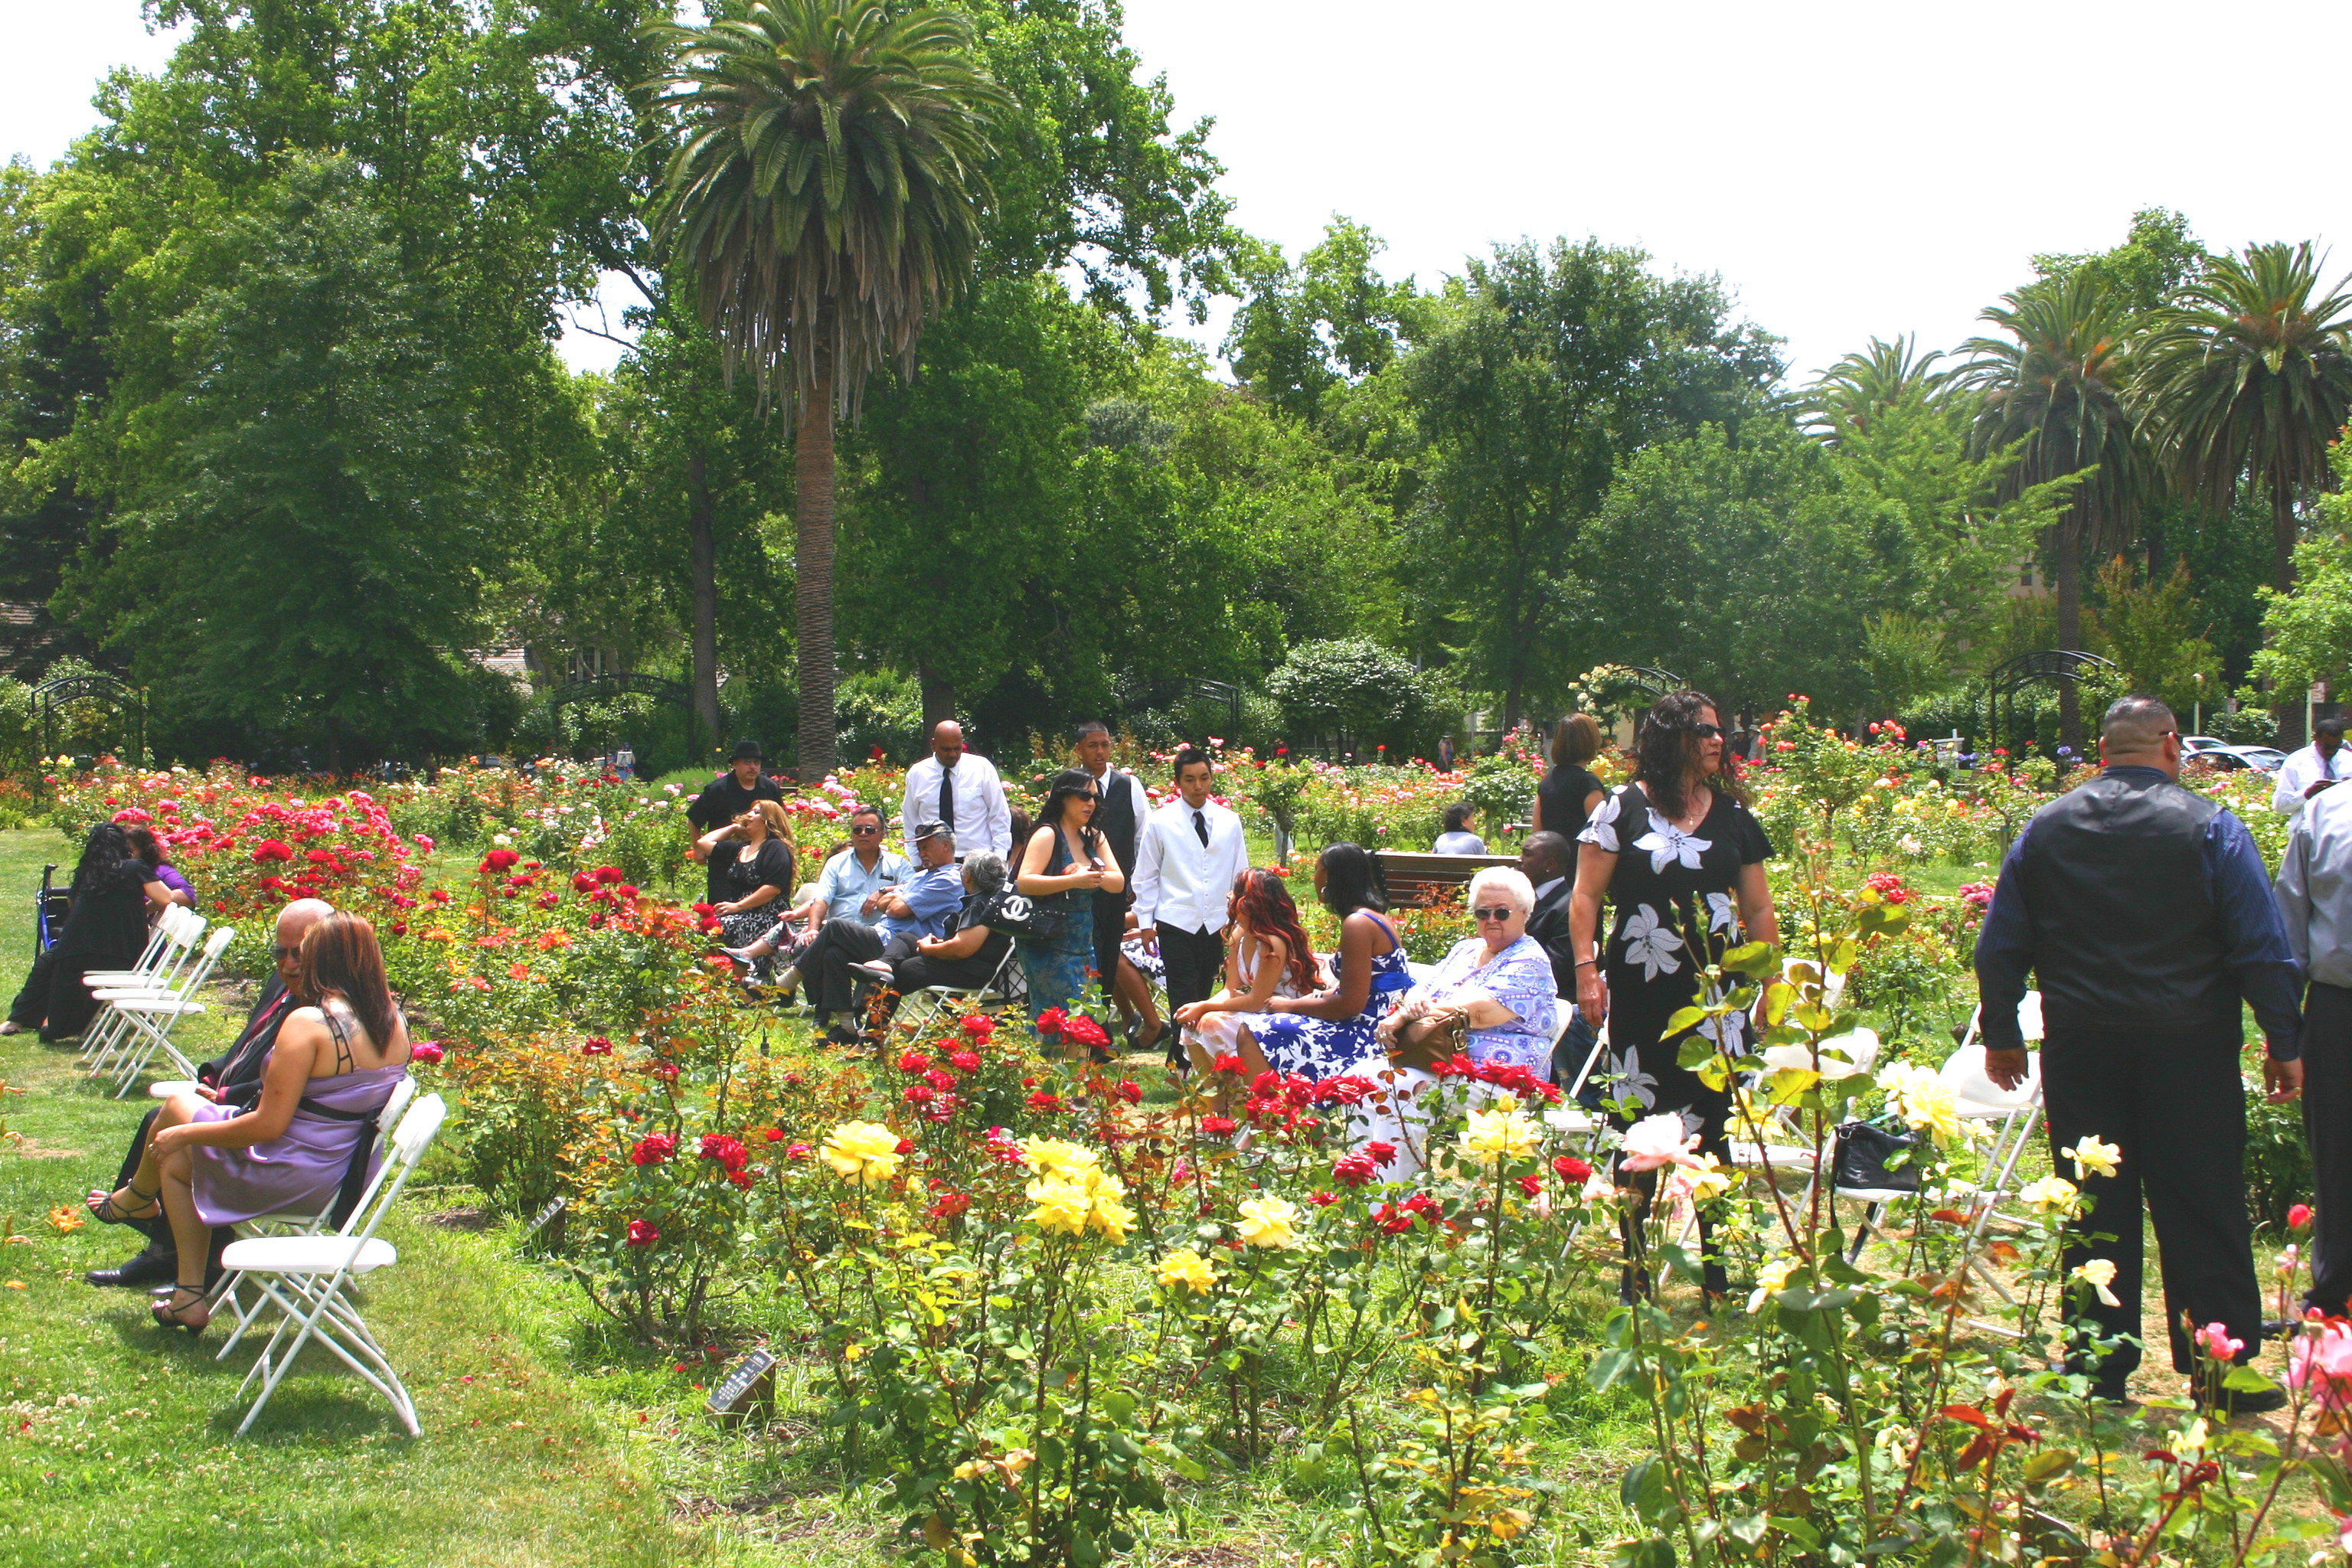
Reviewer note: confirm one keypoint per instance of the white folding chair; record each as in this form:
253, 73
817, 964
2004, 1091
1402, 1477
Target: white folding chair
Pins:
299, 1222
170, 948
308, 1277
152, 1015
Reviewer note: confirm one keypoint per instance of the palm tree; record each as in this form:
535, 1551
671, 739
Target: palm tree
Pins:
1851, 392
824, 200
2054, 392
2248, 378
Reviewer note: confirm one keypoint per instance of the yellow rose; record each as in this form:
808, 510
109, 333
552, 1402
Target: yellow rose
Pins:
1505, 1134
865, 1152
1111, 1216
1188, 1269
2093, 1158
1058, 1157
1267, 1221
2099, 1273
2049, 1195
1061, 1206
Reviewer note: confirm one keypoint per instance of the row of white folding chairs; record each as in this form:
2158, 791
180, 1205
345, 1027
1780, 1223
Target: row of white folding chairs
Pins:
307, 1276
139, 1019
172, 945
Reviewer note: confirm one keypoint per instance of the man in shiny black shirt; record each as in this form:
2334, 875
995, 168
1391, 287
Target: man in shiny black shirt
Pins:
731, 794
2144, 911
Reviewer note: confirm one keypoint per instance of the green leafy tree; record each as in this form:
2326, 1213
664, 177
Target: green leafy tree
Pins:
2054, 394
2308, 631
1301, 330
306, 533
2157, 258
825, 200
2246, 382
1546, 369
1351, 692
2156, 632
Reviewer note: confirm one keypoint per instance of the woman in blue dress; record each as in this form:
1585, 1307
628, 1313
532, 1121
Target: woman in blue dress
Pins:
1327, 1033
1067, 861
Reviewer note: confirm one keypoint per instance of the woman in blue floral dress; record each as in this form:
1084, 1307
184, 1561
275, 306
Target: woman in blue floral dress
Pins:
1326, 1034
1681, 857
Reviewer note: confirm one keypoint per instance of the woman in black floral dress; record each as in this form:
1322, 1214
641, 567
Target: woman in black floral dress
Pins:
1682, 859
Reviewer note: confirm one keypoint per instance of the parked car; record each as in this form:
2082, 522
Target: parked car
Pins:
2237, 759
2192, 744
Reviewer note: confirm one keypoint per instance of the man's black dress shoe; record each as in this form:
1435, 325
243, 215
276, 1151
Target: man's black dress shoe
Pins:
150, 1267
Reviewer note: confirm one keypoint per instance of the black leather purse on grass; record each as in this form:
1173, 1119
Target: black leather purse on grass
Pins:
1881, 1154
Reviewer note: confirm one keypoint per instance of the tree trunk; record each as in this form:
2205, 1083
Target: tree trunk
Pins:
939, 694
702, 566
813, 567
2070, 631
2288, 712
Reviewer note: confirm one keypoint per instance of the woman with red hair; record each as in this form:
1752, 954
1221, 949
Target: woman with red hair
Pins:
1270, 957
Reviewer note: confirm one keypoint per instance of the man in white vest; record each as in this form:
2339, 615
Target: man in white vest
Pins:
1186, 859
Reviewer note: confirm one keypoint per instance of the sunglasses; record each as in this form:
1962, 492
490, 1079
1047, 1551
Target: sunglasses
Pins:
1708, 731
1494, 913
285, 952
869, 831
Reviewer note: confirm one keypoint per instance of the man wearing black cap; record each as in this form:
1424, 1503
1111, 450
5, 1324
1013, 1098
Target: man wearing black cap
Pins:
731, 794
917, 909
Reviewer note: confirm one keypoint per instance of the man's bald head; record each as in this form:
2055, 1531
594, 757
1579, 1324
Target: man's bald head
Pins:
947, 741
294, 922
2139, 731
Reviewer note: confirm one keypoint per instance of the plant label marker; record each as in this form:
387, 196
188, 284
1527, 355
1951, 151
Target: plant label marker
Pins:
549, 1213
751, 1379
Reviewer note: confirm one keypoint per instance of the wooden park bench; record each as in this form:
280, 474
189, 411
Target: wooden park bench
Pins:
1423, 878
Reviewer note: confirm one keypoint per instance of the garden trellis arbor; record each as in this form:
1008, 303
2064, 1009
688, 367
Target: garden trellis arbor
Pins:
2048, 667
1223, 691
51, 696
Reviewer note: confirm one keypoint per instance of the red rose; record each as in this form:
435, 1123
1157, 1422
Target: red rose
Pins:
439, 895
1044, 1099
950, 1205
1129, 1090
906, 1145
726, 1150
1572, 1170
1083, 1031
610, 874
919, 1094
1322, 1200
1218, 1126
965, 1061
1231, 1064
979, 1026
1530, 1185
595, 1045
426, 1051
499, 860
653, 1149
273, 849
642, 1235
798, 1152
1394, 1220
1353, 1170
914, 1061
741, 1179
1051, 1021
1381, 1153
775, 1135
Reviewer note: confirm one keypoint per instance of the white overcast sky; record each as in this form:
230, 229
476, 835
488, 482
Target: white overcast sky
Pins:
1847, 168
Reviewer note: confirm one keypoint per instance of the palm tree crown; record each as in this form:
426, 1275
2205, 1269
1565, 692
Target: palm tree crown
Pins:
2055, 391
2249, 375
1861, 386
827, 195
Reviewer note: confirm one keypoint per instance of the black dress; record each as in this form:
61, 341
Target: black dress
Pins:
1675, 897
106, 930
735, 877
1564, 788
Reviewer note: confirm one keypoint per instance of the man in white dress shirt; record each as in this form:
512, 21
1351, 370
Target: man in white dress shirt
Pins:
1186, 859
959, 788
2314, 768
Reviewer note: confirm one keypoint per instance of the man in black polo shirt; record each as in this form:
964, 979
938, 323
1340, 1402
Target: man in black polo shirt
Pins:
2146, 911
731, 794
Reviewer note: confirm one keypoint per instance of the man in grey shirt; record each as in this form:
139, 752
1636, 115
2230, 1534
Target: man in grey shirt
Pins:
2315, 896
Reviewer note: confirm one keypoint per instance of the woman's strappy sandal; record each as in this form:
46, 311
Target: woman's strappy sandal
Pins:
171, 1312
103, 1205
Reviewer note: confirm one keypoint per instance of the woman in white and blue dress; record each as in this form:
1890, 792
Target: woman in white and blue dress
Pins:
1327, 1033
1494, 991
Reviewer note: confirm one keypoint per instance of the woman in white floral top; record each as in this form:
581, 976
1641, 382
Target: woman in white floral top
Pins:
1682, 859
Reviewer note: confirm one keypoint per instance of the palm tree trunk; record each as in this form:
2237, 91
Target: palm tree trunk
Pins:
702, 567
813, 567
2070, 629
2288, 712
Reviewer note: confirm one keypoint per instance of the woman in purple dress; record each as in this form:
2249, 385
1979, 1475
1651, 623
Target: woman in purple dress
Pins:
335, 1064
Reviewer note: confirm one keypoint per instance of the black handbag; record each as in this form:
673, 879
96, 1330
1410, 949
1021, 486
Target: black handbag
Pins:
1866, 1151
1027, 917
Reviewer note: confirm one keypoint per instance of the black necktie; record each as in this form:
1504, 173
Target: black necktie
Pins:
1200, 826
946, 798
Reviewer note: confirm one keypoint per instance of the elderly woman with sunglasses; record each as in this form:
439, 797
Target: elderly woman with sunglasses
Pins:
1492, 999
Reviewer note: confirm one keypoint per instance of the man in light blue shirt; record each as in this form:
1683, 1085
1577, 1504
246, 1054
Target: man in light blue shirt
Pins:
920, 906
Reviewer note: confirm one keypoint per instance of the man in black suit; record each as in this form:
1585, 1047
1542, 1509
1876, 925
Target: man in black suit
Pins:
233, 1077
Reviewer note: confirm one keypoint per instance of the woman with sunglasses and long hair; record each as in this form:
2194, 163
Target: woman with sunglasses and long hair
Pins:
1066, 862
337, 1060
1270, 957
1681, 857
